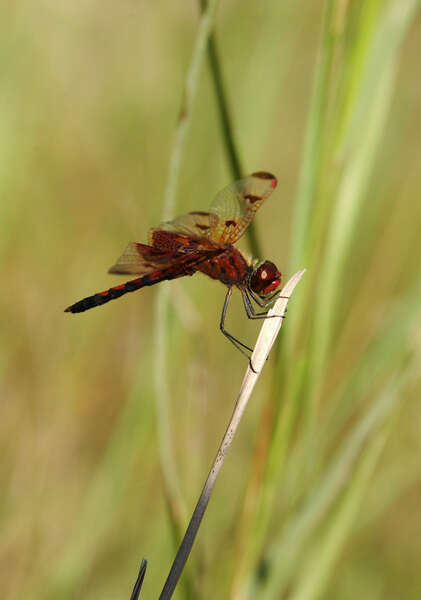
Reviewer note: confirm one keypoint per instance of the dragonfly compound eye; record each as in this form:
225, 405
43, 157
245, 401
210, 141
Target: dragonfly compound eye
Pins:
265, 279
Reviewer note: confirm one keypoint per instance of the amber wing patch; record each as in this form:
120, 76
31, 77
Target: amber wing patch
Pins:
196, 224
230, 213
234, 207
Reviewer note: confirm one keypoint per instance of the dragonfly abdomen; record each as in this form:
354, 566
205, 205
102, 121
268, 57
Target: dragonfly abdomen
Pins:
119, 290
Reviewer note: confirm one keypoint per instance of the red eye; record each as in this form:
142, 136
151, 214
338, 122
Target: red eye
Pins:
265, 279
272, 286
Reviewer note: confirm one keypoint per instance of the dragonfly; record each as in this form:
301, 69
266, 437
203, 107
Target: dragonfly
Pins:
203, 242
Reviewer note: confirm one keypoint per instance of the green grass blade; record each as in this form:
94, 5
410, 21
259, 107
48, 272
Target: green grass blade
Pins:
285, 551
314, 142
316, 571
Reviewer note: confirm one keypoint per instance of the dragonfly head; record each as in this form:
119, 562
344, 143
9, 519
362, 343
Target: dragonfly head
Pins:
265, 278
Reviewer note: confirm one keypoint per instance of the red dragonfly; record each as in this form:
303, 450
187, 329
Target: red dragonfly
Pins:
203, 241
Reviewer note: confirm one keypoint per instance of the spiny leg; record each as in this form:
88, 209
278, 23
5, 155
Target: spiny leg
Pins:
266, 301
239, 345
252, 314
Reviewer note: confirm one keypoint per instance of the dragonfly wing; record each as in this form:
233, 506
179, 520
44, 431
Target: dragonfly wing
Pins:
195, 224
141, 259
234, 207
138, 259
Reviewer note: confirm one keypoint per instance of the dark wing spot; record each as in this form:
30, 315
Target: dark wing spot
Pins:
200, 213
252, 198
230, 223
263, 175
202, 227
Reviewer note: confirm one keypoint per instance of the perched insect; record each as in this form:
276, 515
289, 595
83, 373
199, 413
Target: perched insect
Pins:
203, 241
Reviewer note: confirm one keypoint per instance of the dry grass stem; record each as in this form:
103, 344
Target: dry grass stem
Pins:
265, 341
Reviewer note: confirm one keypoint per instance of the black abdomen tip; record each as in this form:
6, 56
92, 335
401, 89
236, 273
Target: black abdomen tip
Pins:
88, 303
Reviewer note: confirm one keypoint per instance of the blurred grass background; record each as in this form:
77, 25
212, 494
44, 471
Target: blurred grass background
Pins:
320, 496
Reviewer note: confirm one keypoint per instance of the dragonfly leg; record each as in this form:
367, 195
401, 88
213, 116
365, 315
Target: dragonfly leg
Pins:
252, 314
239, 345
266, 301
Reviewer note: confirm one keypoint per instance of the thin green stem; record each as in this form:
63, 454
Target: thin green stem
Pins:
314, 141
284, 421
185, 116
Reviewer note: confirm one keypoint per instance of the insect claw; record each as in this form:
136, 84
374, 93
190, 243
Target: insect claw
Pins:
252, 368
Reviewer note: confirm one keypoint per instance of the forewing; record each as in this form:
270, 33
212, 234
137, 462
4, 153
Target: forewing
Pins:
141, 259
195, 224
234, 207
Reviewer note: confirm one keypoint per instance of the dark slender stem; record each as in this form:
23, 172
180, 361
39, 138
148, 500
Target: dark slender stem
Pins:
226, 128
188, 540
139, 580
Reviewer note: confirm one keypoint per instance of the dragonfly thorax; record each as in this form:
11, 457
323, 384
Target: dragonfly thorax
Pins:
264, 279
